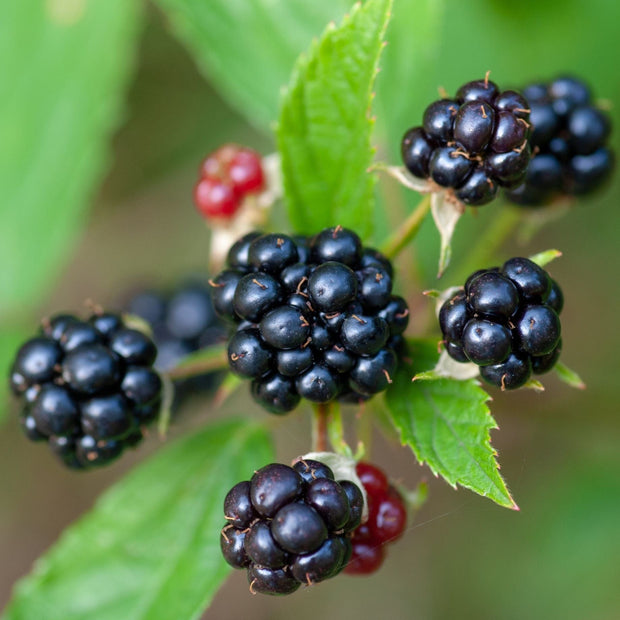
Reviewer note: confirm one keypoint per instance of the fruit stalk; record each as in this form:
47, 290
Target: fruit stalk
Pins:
319, 427
409, 229
215, 358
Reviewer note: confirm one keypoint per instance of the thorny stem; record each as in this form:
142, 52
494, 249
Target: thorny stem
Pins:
319, 428
409, 229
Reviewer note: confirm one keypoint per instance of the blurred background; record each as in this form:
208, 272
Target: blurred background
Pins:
463, 557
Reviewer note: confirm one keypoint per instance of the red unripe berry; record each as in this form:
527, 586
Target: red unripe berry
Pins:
216, 164
215, 198
246, 172
374, 480
365, 559
388, 517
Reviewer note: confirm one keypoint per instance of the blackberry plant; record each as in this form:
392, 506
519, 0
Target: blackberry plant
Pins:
315, 293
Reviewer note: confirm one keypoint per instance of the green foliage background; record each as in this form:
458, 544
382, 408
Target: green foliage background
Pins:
70, 67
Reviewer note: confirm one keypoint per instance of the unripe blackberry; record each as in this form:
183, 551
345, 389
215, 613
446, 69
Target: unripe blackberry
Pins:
506, 321
471, 144
84, 387
227, 176
313, 317
287, 525
387, 519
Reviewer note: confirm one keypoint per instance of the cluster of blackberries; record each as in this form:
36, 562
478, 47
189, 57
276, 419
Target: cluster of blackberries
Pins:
569, 136
315, 317
227, 176
289, 525
183, 321
387, 520
88, 387
506, 321
472, 143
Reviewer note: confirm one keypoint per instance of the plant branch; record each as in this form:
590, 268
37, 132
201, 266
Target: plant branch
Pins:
208, 360
498, 231
409, 229
319, 428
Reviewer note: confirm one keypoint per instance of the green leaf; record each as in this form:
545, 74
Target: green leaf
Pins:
325, 124
249, 47
447, 424
64, 70
150, 548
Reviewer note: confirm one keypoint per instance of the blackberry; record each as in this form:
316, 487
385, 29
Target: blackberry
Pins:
313, 318
275, 393
387, 519
472, 144
506, 320
261, 547
570, 136
86, 387
288, 525
183, 321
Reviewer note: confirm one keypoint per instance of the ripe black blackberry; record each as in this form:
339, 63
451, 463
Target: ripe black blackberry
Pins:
313, 318
569, 139
506, 321
473, 143
88, 387
289, 526
183, 321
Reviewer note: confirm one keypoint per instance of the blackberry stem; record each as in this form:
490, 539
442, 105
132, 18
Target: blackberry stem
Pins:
494, 237
204, 361
335, 430
320, 427
409, 229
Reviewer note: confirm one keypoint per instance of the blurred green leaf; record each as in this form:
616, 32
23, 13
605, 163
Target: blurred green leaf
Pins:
325, 124
64, 70
447, 424
150, 548
249, 47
